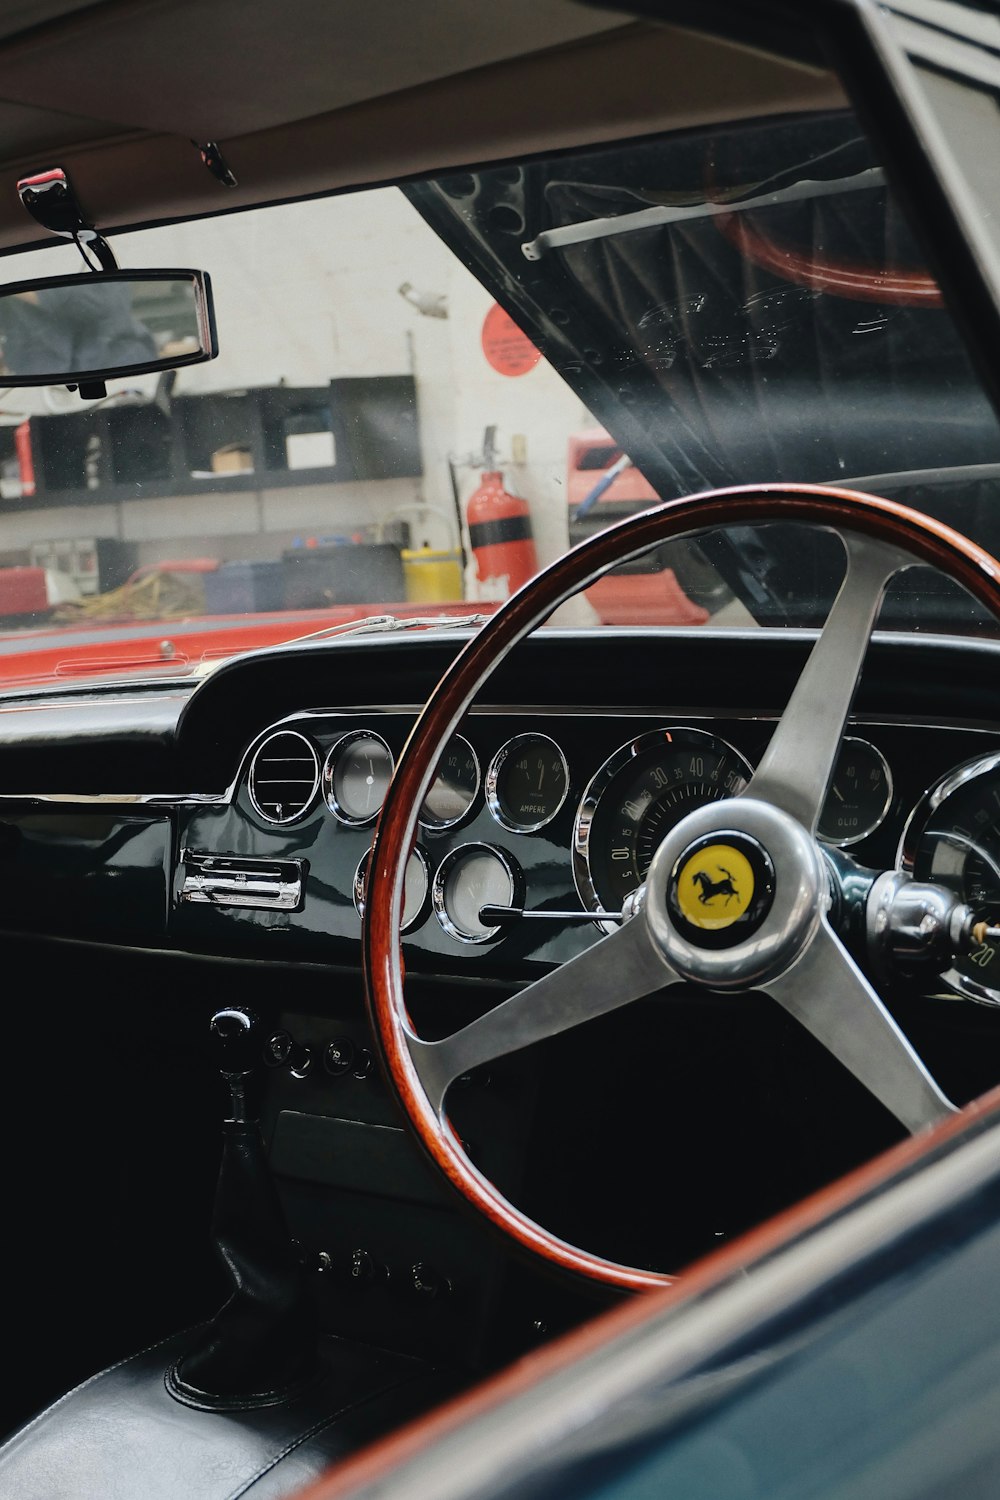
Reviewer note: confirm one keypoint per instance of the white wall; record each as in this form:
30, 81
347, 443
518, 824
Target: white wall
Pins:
309, 292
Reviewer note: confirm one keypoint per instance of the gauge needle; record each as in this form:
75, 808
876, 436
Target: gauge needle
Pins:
839, 795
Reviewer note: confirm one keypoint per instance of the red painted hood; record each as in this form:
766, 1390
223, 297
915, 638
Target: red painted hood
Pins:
124, 648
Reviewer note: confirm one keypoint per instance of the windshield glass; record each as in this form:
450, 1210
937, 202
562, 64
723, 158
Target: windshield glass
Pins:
380, 437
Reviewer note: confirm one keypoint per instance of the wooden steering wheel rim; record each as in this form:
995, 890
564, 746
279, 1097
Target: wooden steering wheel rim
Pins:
925, 539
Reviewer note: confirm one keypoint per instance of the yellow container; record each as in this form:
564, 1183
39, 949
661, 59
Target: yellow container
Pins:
432, 577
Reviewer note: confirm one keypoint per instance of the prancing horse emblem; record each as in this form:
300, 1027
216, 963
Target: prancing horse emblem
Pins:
709, 888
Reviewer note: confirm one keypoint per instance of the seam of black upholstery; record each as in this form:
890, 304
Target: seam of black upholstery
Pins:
311, 1432
108, 1370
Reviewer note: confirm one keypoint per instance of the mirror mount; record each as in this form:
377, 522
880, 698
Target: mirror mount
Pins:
50, 200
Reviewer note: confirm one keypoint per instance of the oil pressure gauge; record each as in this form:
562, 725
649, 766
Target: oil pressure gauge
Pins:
860, 794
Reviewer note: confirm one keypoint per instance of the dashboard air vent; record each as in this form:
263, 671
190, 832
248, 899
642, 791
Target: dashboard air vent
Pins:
284, 776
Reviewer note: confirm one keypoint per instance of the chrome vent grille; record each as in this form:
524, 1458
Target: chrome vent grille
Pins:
284, 776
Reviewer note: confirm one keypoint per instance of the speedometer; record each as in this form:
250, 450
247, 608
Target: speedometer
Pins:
636, 798
953, 839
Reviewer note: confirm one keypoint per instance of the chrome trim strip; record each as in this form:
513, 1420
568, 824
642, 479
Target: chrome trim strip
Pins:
693, 716
110, 799
680, 712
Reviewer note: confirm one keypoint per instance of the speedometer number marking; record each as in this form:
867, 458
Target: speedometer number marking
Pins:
635, 799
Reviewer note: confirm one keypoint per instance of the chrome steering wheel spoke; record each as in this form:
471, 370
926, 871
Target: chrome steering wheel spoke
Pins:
795, 771
625, 966
828, 994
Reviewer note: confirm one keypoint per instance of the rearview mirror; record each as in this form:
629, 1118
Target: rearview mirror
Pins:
64, 330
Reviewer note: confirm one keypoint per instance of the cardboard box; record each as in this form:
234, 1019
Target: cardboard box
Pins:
232, 459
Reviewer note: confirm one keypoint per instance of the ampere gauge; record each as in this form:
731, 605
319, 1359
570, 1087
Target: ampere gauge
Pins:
527, 782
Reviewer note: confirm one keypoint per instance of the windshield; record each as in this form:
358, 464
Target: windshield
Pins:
380, 437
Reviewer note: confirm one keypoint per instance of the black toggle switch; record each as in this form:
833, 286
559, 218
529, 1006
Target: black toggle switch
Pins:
427, 1282
278, 1049
365, 1269
300, 1060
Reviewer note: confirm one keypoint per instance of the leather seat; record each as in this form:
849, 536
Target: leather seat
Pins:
122, 1436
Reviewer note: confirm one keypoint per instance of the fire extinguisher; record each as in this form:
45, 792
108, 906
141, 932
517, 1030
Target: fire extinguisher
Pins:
499, 532
25, 460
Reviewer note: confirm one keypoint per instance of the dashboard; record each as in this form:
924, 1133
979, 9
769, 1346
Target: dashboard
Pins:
236, 816
211, 840
541, 824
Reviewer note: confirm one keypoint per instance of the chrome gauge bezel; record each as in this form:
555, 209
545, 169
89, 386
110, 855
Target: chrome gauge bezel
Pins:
333, 755
906, 852
495, 768
434, 824
444, 869
300, 812
856, 838
597, 787
358, 887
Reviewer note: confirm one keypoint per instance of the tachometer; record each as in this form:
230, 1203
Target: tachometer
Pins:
636, 798
953, 839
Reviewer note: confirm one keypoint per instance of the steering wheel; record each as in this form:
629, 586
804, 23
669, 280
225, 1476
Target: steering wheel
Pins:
779, 938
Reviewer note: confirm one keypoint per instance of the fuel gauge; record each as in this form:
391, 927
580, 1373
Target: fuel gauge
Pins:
860, 794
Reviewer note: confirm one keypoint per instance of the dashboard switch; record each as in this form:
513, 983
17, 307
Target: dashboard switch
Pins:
277, 1049
365, 1269
427, 1282
300, 1060
338, 1056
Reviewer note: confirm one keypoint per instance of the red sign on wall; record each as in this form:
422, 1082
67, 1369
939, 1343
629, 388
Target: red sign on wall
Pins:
507, 349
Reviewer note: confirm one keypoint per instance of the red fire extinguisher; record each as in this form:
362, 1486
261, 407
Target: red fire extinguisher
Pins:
499, 534
25, 461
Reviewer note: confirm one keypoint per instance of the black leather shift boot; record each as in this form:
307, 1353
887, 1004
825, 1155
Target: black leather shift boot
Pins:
260, 1348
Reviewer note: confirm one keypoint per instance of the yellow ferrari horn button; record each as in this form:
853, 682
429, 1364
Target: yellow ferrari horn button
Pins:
715, 886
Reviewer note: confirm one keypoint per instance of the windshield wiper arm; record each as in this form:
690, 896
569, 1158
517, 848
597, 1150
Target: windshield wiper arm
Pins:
374, 624
648, 218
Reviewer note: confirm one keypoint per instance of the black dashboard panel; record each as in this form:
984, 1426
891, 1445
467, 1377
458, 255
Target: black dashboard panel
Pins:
105, 791
329, 852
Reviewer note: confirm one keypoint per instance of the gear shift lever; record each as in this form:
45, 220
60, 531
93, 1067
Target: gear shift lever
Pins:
236, 1034
260, 1348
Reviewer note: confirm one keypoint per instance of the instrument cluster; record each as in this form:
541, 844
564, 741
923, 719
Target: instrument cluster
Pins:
556, 816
